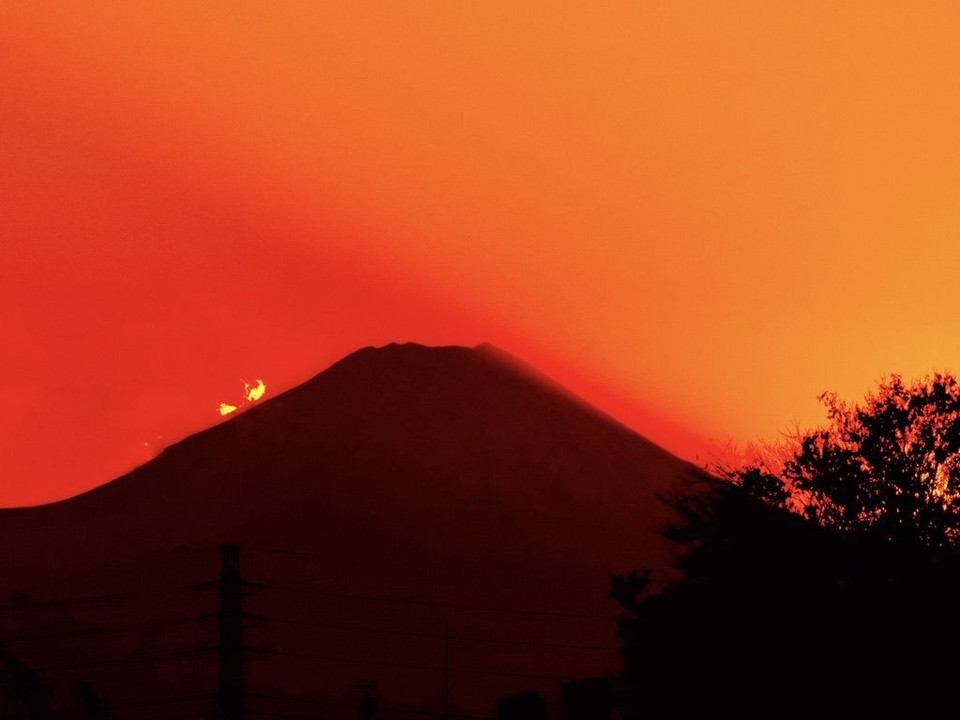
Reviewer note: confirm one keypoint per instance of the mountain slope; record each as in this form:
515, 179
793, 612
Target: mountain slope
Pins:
447, 474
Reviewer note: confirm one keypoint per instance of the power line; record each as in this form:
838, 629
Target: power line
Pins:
287, 716
427, 713
449, 606
133, 660
302, 701
532, 643
332, 703
86, 632
196, 713
94, 599
453, 606
411, 633
166, 701
413, 666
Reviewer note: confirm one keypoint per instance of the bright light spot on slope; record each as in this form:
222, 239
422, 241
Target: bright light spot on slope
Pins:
254, 392
251, 393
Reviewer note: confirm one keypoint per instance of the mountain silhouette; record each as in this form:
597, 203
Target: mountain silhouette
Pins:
452, 477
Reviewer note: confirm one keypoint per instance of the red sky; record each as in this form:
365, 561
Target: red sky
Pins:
698, 216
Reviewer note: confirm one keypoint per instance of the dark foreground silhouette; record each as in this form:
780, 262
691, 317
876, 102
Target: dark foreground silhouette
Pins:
823, 583
409, 515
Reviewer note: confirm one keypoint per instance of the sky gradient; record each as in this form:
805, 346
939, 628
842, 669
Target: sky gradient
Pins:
697, 216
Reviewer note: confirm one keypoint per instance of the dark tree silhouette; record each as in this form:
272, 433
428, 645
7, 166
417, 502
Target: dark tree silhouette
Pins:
825, 579
888, 467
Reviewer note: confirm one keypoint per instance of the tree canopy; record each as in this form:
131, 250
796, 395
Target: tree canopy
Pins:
821, 575
888, 467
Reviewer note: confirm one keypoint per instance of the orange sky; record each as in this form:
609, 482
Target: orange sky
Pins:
699, 216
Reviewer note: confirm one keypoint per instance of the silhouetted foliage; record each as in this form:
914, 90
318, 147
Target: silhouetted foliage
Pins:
888, 467
826, 579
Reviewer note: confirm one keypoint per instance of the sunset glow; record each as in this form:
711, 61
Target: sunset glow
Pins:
698, 216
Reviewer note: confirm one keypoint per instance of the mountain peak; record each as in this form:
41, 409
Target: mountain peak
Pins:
389, 434
447, 474
438, 365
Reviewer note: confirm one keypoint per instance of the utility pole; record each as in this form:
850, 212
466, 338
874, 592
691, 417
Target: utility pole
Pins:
368, 701
231, 693
446, 671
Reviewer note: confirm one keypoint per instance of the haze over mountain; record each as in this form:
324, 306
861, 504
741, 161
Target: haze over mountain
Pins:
448, 475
